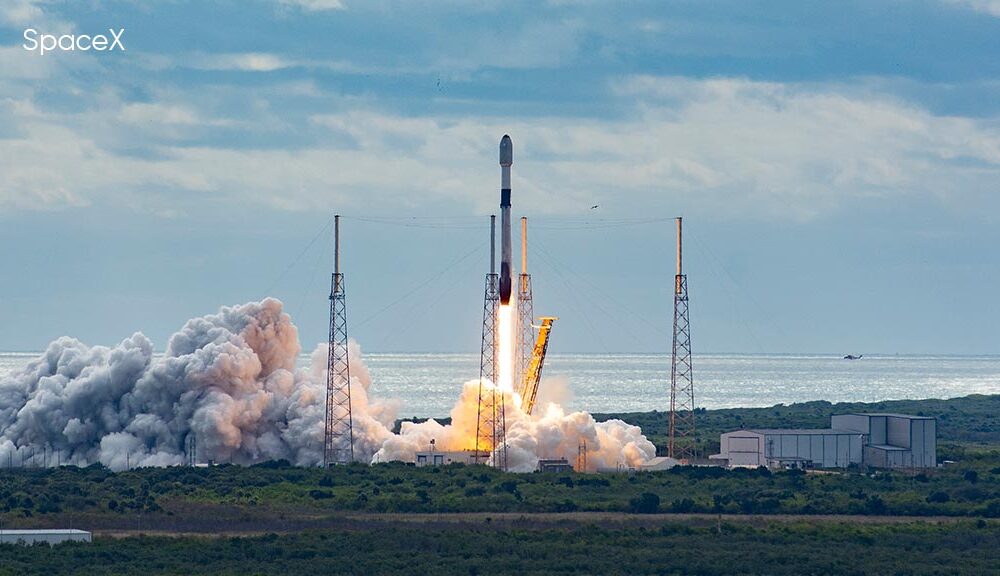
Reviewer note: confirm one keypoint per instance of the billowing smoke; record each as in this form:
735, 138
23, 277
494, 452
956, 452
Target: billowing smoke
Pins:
553, 434
228, 383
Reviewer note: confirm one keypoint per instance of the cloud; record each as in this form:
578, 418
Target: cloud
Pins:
783, 150
53, 167
25, 13
541, 44
140, 113
20, 12
991, 7
251, 62
247, 62
314, 5
17, 64
725, 146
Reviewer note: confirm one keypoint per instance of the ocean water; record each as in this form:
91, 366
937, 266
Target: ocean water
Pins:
429, 384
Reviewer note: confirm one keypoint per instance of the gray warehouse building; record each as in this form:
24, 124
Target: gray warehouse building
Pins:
828, 448
878, 440
894, 440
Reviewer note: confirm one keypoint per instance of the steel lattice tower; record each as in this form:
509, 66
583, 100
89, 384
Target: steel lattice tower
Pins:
525, 314
339, 437
682, 430
491, 422
192, 449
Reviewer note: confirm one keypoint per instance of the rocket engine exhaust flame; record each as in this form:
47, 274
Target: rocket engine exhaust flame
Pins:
230, 381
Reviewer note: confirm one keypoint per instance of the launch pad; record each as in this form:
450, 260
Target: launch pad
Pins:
512, 356
510, 359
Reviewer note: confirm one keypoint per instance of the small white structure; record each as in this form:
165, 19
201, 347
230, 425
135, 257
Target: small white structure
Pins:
828, 448
894, 440
556, 465
439, 458
29, 537
658, 463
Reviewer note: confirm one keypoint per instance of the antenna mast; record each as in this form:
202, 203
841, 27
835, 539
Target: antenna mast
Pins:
339, 436
683, 442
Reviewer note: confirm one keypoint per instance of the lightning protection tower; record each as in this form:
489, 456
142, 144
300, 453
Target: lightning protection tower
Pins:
192, 449
339, 437
682, 431
491, 424
525, 312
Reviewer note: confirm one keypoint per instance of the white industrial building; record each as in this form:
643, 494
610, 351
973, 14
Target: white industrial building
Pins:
443, 458
894, 440
556, 465
877, 440
830, 448
29, 537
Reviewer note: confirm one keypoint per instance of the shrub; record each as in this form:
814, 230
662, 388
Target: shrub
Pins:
875, 504
645, 503
566, 506
682, 506
273, 464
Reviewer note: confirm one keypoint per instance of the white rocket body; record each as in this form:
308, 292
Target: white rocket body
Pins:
506, 160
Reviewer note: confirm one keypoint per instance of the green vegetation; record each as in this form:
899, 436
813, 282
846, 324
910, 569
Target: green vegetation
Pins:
693, 547
520, 522
259, 496
970, 487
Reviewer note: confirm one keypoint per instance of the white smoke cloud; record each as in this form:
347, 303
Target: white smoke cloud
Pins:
553, 390
230, 381
551, 434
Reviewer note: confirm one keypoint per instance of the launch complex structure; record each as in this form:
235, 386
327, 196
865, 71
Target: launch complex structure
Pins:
338, 438
528, 352
511, 355
681, 436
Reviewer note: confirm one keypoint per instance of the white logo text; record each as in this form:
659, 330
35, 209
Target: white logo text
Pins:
43, 43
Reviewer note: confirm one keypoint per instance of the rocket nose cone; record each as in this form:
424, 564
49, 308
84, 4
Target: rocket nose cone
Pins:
506, 151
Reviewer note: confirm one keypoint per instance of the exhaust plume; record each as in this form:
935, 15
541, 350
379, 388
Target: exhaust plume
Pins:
230, 381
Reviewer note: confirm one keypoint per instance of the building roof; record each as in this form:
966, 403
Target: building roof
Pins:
60, 532
789, 459
893, 414
446, 452
800, 431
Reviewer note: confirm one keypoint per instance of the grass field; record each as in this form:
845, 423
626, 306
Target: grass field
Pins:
663, 547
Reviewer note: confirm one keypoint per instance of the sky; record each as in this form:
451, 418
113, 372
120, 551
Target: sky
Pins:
836, 165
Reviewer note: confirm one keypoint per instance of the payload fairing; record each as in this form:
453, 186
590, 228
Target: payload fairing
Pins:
506, 160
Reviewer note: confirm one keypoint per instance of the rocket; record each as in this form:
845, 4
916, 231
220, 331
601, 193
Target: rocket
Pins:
506, 159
